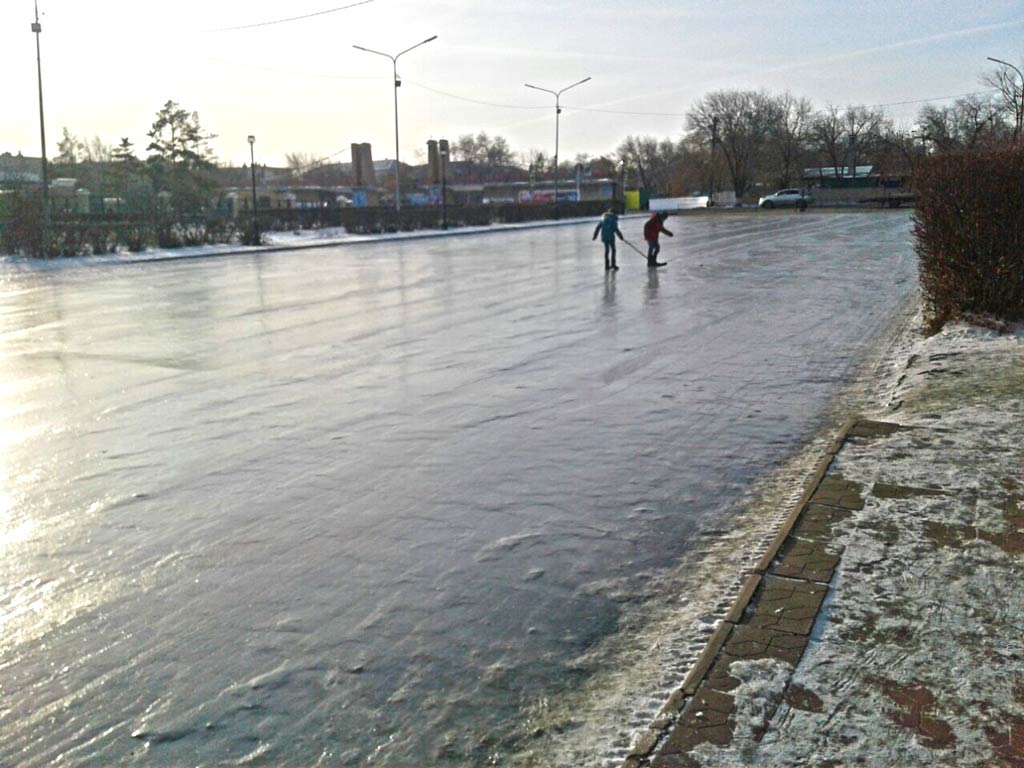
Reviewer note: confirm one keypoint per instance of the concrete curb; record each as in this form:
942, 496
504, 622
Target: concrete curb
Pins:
810, 487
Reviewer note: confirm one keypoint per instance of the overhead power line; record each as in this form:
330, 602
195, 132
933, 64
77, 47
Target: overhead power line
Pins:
294, 18
450, 95
320, 161
471, 101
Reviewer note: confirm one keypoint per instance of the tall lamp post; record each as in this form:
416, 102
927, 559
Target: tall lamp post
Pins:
252, 167
1018, 108
37, 28
398, 83
442, 148
558, 111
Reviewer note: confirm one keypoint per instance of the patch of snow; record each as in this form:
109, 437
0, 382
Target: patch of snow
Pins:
925, 599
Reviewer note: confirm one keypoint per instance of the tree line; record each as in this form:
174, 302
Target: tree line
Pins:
176, 173
730, 138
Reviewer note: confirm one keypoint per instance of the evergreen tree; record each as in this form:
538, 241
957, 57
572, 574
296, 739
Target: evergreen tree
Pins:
180, 159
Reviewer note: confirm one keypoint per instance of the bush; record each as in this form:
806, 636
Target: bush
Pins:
969, 229
23, 232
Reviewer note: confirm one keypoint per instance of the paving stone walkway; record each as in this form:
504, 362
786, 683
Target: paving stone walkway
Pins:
749, 692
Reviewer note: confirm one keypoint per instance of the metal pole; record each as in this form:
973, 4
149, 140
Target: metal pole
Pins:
397, 83
252, 167
558, 111
711, 179
37, 28
444, 183
398, 190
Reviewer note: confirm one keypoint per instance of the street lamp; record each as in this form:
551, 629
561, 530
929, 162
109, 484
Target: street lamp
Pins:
252, 167
558, 111
37, 28
1018, 107
398, 83
442, 148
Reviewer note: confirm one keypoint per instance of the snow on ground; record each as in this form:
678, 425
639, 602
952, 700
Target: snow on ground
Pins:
917, 656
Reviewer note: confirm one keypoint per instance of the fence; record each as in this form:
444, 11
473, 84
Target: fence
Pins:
21, 230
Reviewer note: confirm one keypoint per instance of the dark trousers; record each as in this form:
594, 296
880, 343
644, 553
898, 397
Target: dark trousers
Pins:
609, 249
653, 249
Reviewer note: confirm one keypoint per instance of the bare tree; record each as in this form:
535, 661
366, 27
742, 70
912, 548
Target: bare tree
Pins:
864, 128
845, 137
656, 163
535, 160
790, 134
743, 120
827, 132
633, 154
299, 163
482, 154
95, 151
1004, 79
901, 146
69, 149
968, 123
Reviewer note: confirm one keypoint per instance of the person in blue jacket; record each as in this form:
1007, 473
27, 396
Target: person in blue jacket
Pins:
608, 227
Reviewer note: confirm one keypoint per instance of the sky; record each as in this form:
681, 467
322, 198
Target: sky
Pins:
300, 87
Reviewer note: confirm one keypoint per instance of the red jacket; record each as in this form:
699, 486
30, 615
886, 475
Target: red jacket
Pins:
653, 228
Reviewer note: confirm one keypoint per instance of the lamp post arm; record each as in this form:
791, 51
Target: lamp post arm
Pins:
422, 42
546, 90
581, 82
379, 53
1007, 64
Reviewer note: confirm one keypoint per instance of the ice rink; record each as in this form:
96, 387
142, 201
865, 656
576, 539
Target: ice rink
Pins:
344, 506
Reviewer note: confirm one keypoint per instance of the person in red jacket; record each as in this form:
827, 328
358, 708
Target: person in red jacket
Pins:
655, 226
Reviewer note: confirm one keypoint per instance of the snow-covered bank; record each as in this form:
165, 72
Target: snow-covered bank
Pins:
916, 656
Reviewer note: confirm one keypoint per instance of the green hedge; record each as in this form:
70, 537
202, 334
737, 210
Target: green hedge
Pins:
969, 229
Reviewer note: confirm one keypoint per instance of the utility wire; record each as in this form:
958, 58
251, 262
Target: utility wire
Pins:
657, 114
293, 18
471, 101
320, 162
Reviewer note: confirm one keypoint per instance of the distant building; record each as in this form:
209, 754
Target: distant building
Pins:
16, 170
843, 177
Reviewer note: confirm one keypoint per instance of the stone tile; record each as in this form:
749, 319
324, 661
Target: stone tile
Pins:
784, 606
753, 642
834, 491
706, 719
818, 522
806, 559
887, 491
866, 428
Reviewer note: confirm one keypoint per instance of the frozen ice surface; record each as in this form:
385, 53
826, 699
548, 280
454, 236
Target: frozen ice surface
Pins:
374, 502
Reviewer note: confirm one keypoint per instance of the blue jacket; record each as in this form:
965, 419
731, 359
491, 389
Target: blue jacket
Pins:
608, 227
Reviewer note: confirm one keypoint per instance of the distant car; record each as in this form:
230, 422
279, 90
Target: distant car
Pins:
786, 197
